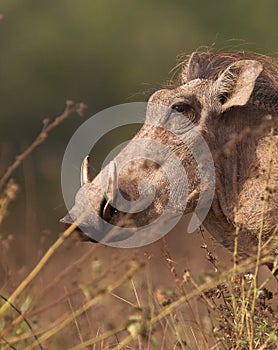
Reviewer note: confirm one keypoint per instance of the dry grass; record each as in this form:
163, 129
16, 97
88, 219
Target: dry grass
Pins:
74, 299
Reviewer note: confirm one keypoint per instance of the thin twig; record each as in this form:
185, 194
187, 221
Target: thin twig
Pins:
170, 264
71, 108
8, 344
24, 319
99, 338
9, 195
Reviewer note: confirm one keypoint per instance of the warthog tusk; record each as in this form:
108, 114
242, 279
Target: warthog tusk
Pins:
111, 188
112, 182
85, 172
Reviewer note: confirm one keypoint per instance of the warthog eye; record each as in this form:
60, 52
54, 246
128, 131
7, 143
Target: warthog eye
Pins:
181, 107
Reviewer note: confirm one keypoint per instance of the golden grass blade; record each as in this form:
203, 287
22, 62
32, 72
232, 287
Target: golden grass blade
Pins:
87, 305
38, 267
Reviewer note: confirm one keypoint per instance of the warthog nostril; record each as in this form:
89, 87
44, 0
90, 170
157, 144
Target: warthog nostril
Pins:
67, 220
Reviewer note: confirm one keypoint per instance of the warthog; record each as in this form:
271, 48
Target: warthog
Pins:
230, 100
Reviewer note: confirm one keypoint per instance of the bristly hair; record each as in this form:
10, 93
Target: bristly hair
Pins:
211, 63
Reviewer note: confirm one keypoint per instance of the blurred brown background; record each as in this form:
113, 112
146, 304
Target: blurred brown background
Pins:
102, 53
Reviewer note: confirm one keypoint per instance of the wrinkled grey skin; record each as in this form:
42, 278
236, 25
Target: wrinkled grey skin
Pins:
239, 128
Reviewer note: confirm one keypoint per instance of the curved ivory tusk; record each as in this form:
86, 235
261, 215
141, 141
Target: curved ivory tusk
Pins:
105, 212
85, 172
112, 182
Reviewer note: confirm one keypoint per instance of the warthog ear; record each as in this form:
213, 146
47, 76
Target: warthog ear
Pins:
196, 66
236, 84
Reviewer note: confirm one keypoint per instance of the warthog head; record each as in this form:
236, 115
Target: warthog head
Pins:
204, 145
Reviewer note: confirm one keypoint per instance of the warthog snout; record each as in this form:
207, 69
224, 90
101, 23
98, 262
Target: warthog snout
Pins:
147, 184
130, 196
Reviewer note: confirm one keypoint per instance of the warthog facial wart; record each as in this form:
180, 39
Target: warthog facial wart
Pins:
207, 146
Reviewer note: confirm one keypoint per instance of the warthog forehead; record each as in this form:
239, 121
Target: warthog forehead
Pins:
195, 88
